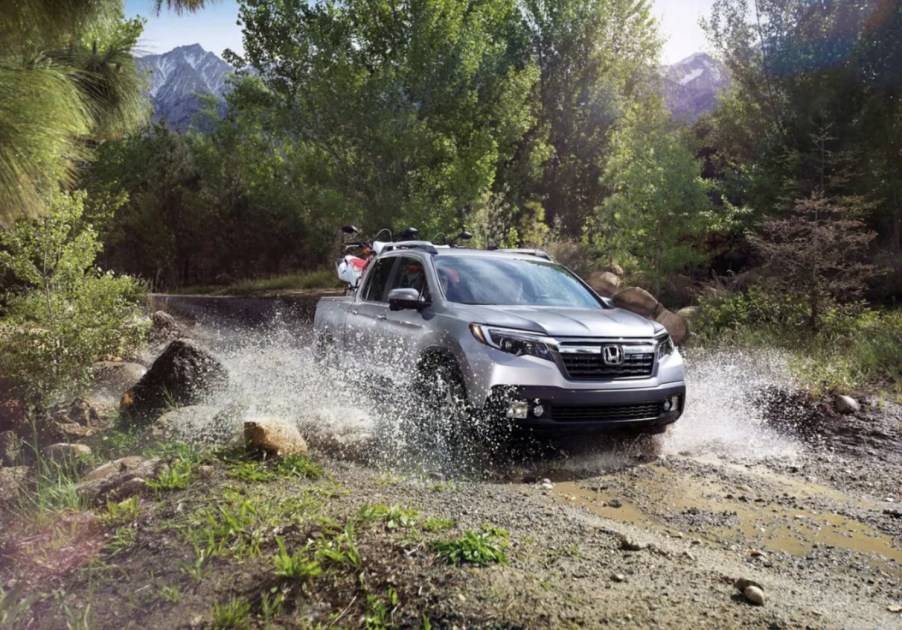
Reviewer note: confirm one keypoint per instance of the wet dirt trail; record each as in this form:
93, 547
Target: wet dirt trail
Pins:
636, 532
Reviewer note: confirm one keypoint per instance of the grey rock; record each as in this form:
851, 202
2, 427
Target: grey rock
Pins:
12, 480
754, 595
115, 467
10, 448
742, 583
628, 544
846, 404
182, 375
66, 453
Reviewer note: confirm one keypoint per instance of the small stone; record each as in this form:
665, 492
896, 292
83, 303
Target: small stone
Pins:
64, 452
894, 608
275, 438
614, 503
754, 595
742, 583
618, 577
846, 404
632, 545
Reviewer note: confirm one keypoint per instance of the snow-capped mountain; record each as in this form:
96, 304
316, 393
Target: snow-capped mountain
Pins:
691, 86
179, 76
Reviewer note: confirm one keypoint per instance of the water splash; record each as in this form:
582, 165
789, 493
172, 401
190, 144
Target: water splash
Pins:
724, 414
274, 376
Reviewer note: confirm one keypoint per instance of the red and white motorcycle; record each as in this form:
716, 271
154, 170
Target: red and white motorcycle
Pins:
351, 267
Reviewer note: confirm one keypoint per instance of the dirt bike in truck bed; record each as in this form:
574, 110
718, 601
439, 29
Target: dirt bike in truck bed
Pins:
510, 332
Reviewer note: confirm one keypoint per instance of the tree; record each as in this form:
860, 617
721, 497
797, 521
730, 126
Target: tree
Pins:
407, 108
67, 78
658, 211
596, 58
818, 252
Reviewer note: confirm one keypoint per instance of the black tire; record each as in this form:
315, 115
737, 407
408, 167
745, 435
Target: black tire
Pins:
441, 390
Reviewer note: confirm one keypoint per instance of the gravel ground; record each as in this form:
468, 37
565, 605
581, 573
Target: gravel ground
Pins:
603, 532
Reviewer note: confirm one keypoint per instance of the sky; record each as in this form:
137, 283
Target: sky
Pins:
215, 27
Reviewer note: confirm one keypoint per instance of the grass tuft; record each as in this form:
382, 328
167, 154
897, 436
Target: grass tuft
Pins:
481, 547
236, 613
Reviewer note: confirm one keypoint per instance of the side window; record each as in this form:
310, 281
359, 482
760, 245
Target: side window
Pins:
411, 275
378, 278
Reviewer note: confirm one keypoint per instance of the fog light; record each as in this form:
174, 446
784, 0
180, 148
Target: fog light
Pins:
667, 405
538, 411
518, 410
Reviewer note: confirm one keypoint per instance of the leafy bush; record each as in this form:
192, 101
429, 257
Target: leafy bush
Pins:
854, 345
62, 314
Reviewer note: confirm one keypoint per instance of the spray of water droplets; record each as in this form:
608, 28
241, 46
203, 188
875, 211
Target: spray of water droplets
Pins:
274, 377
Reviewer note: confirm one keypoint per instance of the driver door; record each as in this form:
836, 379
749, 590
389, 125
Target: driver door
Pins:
360, 341
401, 332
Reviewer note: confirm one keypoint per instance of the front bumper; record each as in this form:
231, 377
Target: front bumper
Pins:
565, 409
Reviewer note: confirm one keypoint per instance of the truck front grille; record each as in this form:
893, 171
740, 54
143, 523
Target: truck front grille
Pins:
593, 366
600, 414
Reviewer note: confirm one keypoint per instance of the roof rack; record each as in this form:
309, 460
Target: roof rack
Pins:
425, 246
538, 253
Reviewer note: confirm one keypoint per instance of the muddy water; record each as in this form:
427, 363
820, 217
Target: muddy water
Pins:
768, 513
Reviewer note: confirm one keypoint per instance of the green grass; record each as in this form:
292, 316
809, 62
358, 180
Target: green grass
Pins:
123, 539
303, 281
296, 566
393, 516
239, 524
171, 594
855, 347
236, 613
438, 524
120, 513
480, 547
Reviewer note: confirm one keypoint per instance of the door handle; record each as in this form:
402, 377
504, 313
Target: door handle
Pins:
354, 312
380, 317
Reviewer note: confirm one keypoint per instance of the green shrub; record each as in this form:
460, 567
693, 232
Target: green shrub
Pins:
855, 345
62, 314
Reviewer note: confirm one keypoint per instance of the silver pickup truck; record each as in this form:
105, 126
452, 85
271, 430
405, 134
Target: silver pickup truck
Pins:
513, 333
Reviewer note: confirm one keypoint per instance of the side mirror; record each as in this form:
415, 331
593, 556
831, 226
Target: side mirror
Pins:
400, 299
349, 229
464, 236
408, 234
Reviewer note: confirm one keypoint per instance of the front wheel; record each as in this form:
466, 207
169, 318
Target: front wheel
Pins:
443, 405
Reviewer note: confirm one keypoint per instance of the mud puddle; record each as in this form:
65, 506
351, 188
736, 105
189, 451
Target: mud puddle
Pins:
758, 514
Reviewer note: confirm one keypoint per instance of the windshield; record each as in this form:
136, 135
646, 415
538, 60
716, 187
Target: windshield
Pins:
510, 282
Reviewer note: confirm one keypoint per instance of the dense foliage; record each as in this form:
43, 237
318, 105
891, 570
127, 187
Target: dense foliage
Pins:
65, 313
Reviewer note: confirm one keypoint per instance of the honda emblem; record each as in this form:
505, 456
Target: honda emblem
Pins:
612, 355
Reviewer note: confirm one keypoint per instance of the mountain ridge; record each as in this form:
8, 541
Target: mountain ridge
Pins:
179, 78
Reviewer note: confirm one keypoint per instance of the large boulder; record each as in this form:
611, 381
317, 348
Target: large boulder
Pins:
675, 325
183, 375
112, 378
638, 301
274, 438
605, 283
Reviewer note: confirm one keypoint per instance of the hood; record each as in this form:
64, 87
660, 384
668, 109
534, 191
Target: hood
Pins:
556, 321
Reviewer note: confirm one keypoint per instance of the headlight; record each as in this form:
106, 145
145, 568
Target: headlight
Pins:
516, 342
665, 347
